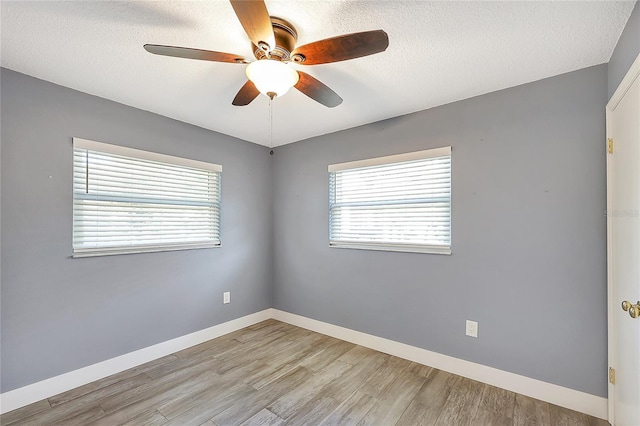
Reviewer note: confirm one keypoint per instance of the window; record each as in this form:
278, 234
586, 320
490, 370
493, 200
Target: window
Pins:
131, 201
398, 203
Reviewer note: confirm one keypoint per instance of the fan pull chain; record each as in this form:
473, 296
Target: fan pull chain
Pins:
270, 123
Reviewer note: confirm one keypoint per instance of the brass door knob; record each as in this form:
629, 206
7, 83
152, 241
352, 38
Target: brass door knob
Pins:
633, 309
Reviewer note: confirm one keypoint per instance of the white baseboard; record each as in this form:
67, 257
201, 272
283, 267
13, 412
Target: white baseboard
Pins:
46, 388
575, 400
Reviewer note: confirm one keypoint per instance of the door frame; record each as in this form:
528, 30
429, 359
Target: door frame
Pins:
612, 303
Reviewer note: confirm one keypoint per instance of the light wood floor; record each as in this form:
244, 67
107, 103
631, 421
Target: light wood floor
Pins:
273, 373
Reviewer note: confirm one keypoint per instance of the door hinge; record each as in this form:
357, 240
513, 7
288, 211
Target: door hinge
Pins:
612, 375
610, 145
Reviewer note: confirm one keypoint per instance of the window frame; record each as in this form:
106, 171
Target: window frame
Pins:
388, 160
137, 154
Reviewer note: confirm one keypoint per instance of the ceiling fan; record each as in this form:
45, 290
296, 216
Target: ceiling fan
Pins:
273, 43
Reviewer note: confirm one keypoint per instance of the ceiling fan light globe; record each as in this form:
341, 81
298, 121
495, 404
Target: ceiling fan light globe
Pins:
272, 76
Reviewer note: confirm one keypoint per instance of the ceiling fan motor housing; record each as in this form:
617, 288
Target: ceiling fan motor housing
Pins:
286, 37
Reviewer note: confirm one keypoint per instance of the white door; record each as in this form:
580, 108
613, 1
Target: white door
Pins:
623, 224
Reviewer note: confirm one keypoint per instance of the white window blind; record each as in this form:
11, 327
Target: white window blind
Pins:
399, 203
129, 201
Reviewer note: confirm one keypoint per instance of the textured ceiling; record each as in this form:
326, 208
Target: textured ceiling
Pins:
439, 52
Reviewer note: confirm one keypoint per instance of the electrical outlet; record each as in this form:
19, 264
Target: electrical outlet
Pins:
226, 297
472, 328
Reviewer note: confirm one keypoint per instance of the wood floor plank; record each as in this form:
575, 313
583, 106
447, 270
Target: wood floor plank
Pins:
98, 385
356, 354
562, 417
55, 415
146, 403
221, 397
269, 373
289, 350
263, 417
246, 408
215, 390
226, 355
108, 386
313, 411
343, 386
59, 414
129, 417
155, 397
489, 418
177, 364
498, 401
394, 401
148, 418
382, 378
418, 414
113, 389
419, 369
205, 410
134, 372
462, 404
81, 419
351, 411
273, 373
151, 390
427, 406
327, 355
248, 352
290, 402
430, 398
281, 362
530, 412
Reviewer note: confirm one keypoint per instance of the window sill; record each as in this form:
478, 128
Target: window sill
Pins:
139, 249
407, 248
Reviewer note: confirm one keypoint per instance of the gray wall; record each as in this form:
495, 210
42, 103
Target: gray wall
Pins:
60, 314
529, 234
625, 52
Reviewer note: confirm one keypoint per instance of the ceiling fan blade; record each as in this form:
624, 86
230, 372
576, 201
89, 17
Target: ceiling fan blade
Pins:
255, 20
342, 48
317, 90
246, 95
186, 52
